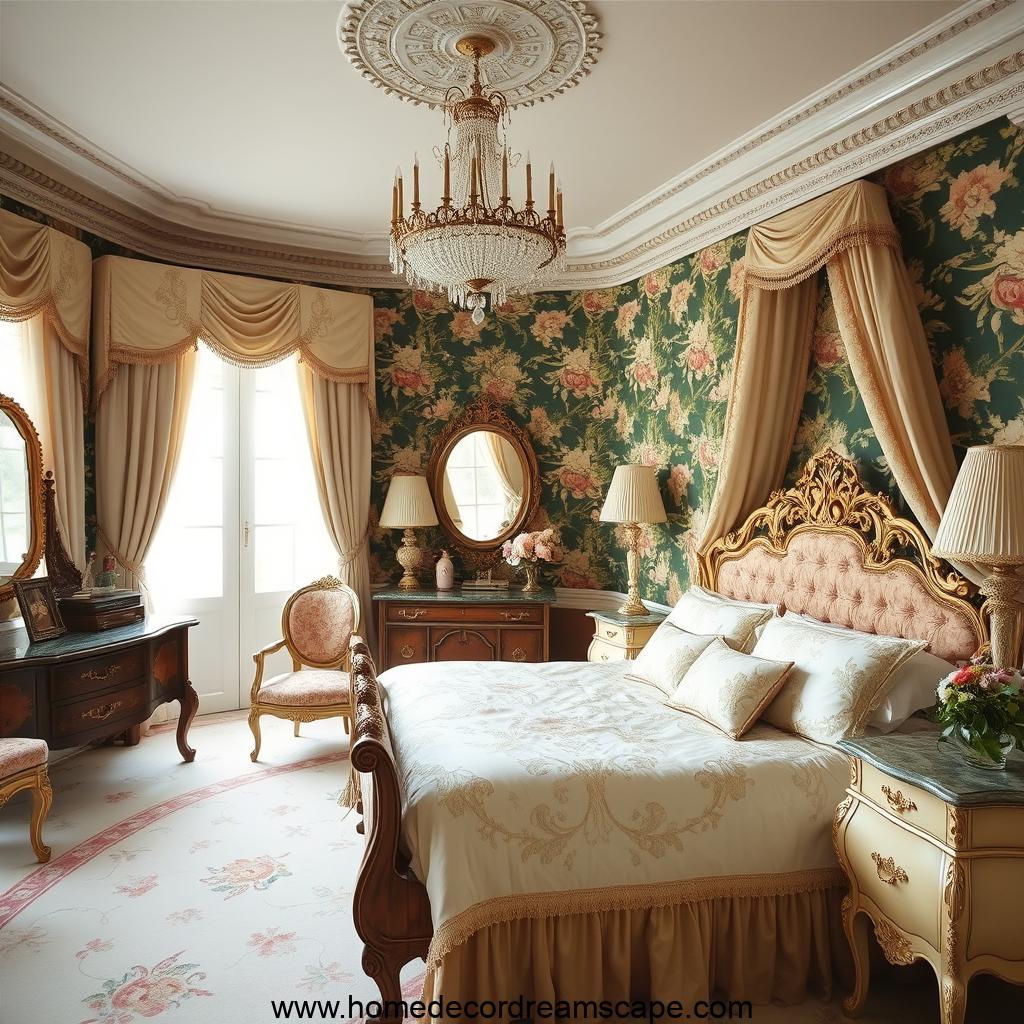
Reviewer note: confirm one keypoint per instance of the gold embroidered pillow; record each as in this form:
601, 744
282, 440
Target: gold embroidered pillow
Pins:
838, 679
667, 657
729, 689
707, 614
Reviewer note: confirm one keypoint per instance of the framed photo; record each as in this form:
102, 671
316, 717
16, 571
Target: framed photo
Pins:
39, 609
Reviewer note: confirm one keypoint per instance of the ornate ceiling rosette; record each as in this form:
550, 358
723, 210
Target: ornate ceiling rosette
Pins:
408, 47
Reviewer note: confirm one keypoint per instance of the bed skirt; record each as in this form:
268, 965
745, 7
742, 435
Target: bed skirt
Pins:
774, 942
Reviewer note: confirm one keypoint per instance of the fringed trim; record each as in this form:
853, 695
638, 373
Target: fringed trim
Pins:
537, 905
352, 792
78, 347
355, 375
118, 357
850, 237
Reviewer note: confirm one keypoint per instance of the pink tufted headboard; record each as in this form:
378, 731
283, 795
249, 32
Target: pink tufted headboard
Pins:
829, 549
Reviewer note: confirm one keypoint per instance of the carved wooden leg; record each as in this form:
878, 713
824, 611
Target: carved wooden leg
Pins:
296, 729
42, 798
254, 725
953, 997
952, 976
856, 928
189, 702
386, 974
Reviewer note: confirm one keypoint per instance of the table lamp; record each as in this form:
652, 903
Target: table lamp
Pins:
406, 507
633, 498
984, 524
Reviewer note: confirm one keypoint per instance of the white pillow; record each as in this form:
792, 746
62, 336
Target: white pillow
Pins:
667, 657
729, 689
702, 612
913, 688
839, 676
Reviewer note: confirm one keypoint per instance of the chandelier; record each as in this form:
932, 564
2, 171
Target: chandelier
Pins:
476, 243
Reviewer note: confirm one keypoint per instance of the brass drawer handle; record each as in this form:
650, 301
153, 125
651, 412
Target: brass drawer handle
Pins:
604, 656
407, 651
415, 613
99, 677
515, 616
898, 802
888, 870
102, 714
611, 633
519, 654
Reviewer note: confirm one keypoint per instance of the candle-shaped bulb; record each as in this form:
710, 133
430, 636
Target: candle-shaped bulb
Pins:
401, 196
551, 190
529, 180
416, 181
472, 180
504, 174
447, 174
558, 206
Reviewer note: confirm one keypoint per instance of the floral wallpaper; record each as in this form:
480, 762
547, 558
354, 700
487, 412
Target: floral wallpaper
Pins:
641, 372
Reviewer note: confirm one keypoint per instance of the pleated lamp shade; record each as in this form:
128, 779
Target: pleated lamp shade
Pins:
984, 518
633, 497
408, 504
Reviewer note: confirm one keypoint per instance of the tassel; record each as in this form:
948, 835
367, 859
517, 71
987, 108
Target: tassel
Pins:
351, 793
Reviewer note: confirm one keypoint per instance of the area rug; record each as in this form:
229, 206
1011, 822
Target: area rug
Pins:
202, 893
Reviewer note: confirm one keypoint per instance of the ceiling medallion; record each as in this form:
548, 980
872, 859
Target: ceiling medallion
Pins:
476, 243
409, 48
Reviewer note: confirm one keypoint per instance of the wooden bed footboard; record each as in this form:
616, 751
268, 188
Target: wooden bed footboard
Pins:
390, 906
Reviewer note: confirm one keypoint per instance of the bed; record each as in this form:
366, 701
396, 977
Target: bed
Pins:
554, 831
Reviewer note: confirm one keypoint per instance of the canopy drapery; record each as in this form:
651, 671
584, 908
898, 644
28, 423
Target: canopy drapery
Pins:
850, 233
45, 280
147, 320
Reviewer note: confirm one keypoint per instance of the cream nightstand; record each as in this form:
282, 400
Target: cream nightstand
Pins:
620, 637
934, 853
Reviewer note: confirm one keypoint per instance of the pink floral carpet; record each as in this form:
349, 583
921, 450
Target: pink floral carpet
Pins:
196, 894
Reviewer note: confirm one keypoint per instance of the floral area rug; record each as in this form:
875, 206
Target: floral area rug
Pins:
196, 894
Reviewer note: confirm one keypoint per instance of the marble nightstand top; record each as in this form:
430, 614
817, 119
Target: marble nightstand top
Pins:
459, 596
652, 619
919, 759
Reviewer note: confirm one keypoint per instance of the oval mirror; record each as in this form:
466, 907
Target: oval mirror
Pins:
484, 481
21, 515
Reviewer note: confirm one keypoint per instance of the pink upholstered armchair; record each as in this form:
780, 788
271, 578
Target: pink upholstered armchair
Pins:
317, 623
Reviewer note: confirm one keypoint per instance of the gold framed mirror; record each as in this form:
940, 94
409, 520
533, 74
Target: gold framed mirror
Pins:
21, 497
484, 482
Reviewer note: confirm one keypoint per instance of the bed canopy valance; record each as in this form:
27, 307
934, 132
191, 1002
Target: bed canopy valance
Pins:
149, 313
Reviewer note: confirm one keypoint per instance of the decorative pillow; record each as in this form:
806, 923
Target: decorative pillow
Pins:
699, 611
667, 657
839, 677
913, 685
729, 689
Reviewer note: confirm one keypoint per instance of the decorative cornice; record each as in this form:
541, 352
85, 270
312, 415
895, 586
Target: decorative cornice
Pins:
965, 69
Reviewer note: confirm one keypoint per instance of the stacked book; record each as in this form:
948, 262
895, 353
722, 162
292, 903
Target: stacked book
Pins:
89, 611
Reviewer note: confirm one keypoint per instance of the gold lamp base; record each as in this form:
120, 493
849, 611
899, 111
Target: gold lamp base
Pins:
409, 557
633, 605
1001, 588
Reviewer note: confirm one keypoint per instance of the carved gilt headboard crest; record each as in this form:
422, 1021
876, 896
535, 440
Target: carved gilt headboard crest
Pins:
829, 548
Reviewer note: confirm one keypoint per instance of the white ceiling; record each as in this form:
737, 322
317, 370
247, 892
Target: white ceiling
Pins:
250, 110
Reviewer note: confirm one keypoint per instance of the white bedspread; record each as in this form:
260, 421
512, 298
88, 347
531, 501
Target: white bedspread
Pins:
552, 778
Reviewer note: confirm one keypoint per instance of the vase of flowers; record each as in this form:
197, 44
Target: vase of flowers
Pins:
982, 709
529, 549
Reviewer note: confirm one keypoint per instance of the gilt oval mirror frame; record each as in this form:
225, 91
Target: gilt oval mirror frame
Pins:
484, 416
35, 518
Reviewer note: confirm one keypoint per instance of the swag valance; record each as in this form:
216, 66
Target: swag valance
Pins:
850, 233
44, 271
149, 313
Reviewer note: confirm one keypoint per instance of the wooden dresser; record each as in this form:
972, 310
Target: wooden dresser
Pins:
934, 852
432, 625
82, 687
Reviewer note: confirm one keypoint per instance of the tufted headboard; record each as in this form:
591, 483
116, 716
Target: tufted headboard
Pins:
828, 548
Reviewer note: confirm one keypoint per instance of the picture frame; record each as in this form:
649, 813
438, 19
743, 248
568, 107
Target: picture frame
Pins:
39, 609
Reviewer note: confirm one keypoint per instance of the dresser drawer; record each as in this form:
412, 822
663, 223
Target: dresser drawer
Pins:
102, 709
406, 645
901, 873
522, 645
498, 614
908, 803
79, 678
604, 650
455, 643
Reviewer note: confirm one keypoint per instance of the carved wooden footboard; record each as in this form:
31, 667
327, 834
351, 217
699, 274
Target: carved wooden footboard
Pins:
390, 906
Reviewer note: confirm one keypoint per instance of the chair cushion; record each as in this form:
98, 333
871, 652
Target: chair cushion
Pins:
320, 623
308, 688
17, 755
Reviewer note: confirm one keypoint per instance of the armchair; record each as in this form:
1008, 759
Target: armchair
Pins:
317, 623
23, 766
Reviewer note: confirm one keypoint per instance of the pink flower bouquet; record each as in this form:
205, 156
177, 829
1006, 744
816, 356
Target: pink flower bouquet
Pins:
539, 546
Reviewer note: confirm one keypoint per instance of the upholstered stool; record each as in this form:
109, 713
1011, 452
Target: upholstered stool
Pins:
23, 766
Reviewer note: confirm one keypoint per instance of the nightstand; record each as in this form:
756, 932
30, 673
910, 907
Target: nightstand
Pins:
620, 637
934, 853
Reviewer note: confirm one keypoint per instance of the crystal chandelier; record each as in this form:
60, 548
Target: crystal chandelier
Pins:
476, 243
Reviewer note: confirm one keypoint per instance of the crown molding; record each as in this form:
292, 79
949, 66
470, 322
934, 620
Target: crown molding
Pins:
963, 70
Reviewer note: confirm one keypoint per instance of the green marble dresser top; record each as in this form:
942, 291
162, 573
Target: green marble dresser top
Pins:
651, 619
459, 596
918, 758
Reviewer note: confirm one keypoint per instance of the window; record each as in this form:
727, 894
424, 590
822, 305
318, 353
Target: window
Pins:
476, 488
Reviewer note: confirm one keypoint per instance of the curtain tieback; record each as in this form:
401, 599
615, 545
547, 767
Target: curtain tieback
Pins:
137, 569
348, 557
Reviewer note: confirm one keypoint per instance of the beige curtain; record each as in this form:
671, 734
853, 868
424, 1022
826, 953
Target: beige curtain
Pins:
851, 232
140, 428
338, 426
45, 282
508, 469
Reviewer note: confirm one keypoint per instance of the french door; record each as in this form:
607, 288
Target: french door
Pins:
242, 528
